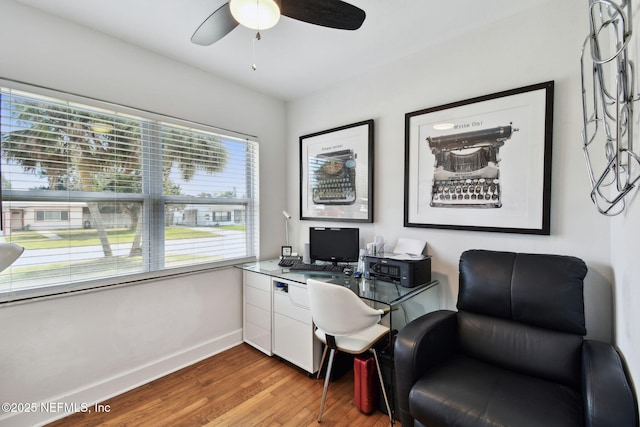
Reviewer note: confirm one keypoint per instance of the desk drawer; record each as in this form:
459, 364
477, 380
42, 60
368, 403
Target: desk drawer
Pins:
294, 342
258, 281
257, 297
258, 337
286, 303
299, 296
257, 316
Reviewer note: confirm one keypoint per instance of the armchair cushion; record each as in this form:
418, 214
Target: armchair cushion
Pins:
550, 355
467, 392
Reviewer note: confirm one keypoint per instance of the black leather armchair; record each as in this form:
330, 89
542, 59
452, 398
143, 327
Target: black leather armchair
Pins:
513, 354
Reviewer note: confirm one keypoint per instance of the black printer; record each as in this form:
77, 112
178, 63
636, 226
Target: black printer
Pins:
406, 272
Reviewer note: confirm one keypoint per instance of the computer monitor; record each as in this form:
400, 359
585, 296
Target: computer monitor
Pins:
334, 244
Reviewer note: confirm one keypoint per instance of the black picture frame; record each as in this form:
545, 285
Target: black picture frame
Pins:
497, 146
336, 174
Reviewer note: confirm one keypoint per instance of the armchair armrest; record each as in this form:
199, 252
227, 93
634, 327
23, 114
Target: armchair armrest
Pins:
608, 397
422, 344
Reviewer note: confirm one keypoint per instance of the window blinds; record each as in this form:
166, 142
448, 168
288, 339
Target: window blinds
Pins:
100, 194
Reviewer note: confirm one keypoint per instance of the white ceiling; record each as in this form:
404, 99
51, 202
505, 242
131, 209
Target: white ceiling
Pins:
294, 58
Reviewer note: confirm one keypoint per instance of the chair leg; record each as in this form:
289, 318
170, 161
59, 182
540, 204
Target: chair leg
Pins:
326, 383
384, 391
324, 355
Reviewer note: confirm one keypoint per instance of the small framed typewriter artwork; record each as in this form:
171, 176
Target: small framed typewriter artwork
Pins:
336, 174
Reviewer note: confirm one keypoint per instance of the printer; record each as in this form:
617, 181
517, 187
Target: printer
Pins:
406, 272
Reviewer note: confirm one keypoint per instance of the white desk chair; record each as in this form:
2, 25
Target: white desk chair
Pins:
345, 323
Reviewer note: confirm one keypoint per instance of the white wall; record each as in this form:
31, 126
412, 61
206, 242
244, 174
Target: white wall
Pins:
539, 45
625, 244
83, 348
625, 247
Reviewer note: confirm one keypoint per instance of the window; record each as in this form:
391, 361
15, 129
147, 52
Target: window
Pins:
52, 215
101, 196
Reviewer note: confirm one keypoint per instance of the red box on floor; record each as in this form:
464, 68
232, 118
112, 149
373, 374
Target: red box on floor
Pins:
365, 383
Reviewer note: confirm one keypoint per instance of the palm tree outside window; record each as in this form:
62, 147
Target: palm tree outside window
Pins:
102, 194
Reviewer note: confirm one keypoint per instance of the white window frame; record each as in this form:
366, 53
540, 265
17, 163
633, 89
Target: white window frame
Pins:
152, 198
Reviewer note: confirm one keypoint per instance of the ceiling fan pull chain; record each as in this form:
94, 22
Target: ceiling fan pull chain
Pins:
254, 67
257, 37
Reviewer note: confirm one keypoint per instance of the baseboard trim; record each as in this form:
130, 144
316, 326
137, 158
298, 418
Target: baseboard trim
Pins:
87, 397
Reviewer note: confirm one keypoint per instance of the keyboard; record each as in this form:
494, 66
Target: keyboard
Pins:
318, 268
472, 192
288, 261
334, 191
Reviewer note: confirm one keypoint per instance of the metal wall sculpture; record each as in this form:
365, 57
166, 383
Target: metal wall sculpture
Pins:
608, 116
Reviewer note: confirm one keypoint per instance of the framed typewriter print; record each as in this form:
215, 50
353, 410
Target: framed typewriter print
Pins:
482, 164
336, 174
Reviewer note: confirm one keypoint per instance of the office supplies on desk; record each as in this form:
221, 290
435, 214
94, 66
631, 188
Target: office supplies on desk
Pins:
410, 249
306, 258
360, 267
376, 247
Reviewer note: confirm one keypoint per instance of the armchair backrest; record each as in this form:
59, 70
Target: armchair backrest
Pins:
524, 312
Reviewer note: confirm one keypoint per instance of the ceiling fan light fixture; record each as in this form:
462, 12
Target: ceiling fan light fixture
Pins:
255, 14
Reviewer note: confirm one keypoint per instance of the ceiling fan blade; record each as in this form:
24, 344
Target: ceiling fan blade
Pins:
216, 26
327, 13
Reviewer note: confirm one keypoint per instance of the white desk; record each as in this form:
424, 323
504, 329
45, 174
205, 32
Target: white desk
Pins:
277, 318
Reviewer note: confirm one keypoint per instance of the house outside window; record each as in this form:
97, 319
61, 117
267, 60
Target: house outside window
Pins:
106, 195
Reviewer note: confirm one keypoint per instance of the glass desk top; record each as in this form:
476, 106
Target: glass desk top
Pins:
379, 291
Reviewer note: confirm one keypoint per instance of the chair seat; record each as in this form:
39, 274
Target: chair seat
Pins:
357, 343
491, 396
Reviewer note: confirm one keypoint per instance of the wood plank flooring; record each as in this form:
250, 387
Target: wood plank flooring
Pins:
239, 387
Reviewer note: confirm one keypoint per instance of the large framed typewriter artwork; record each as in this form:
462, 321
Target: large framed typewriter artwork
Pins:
481, 164
336, 174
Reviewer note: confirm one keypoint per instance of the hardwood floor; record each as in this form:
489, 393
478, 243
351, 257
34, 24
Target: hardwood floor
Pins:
239, 387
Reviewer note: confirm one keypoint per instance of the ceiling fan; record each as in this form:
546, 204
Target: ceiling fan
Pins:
263, 14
